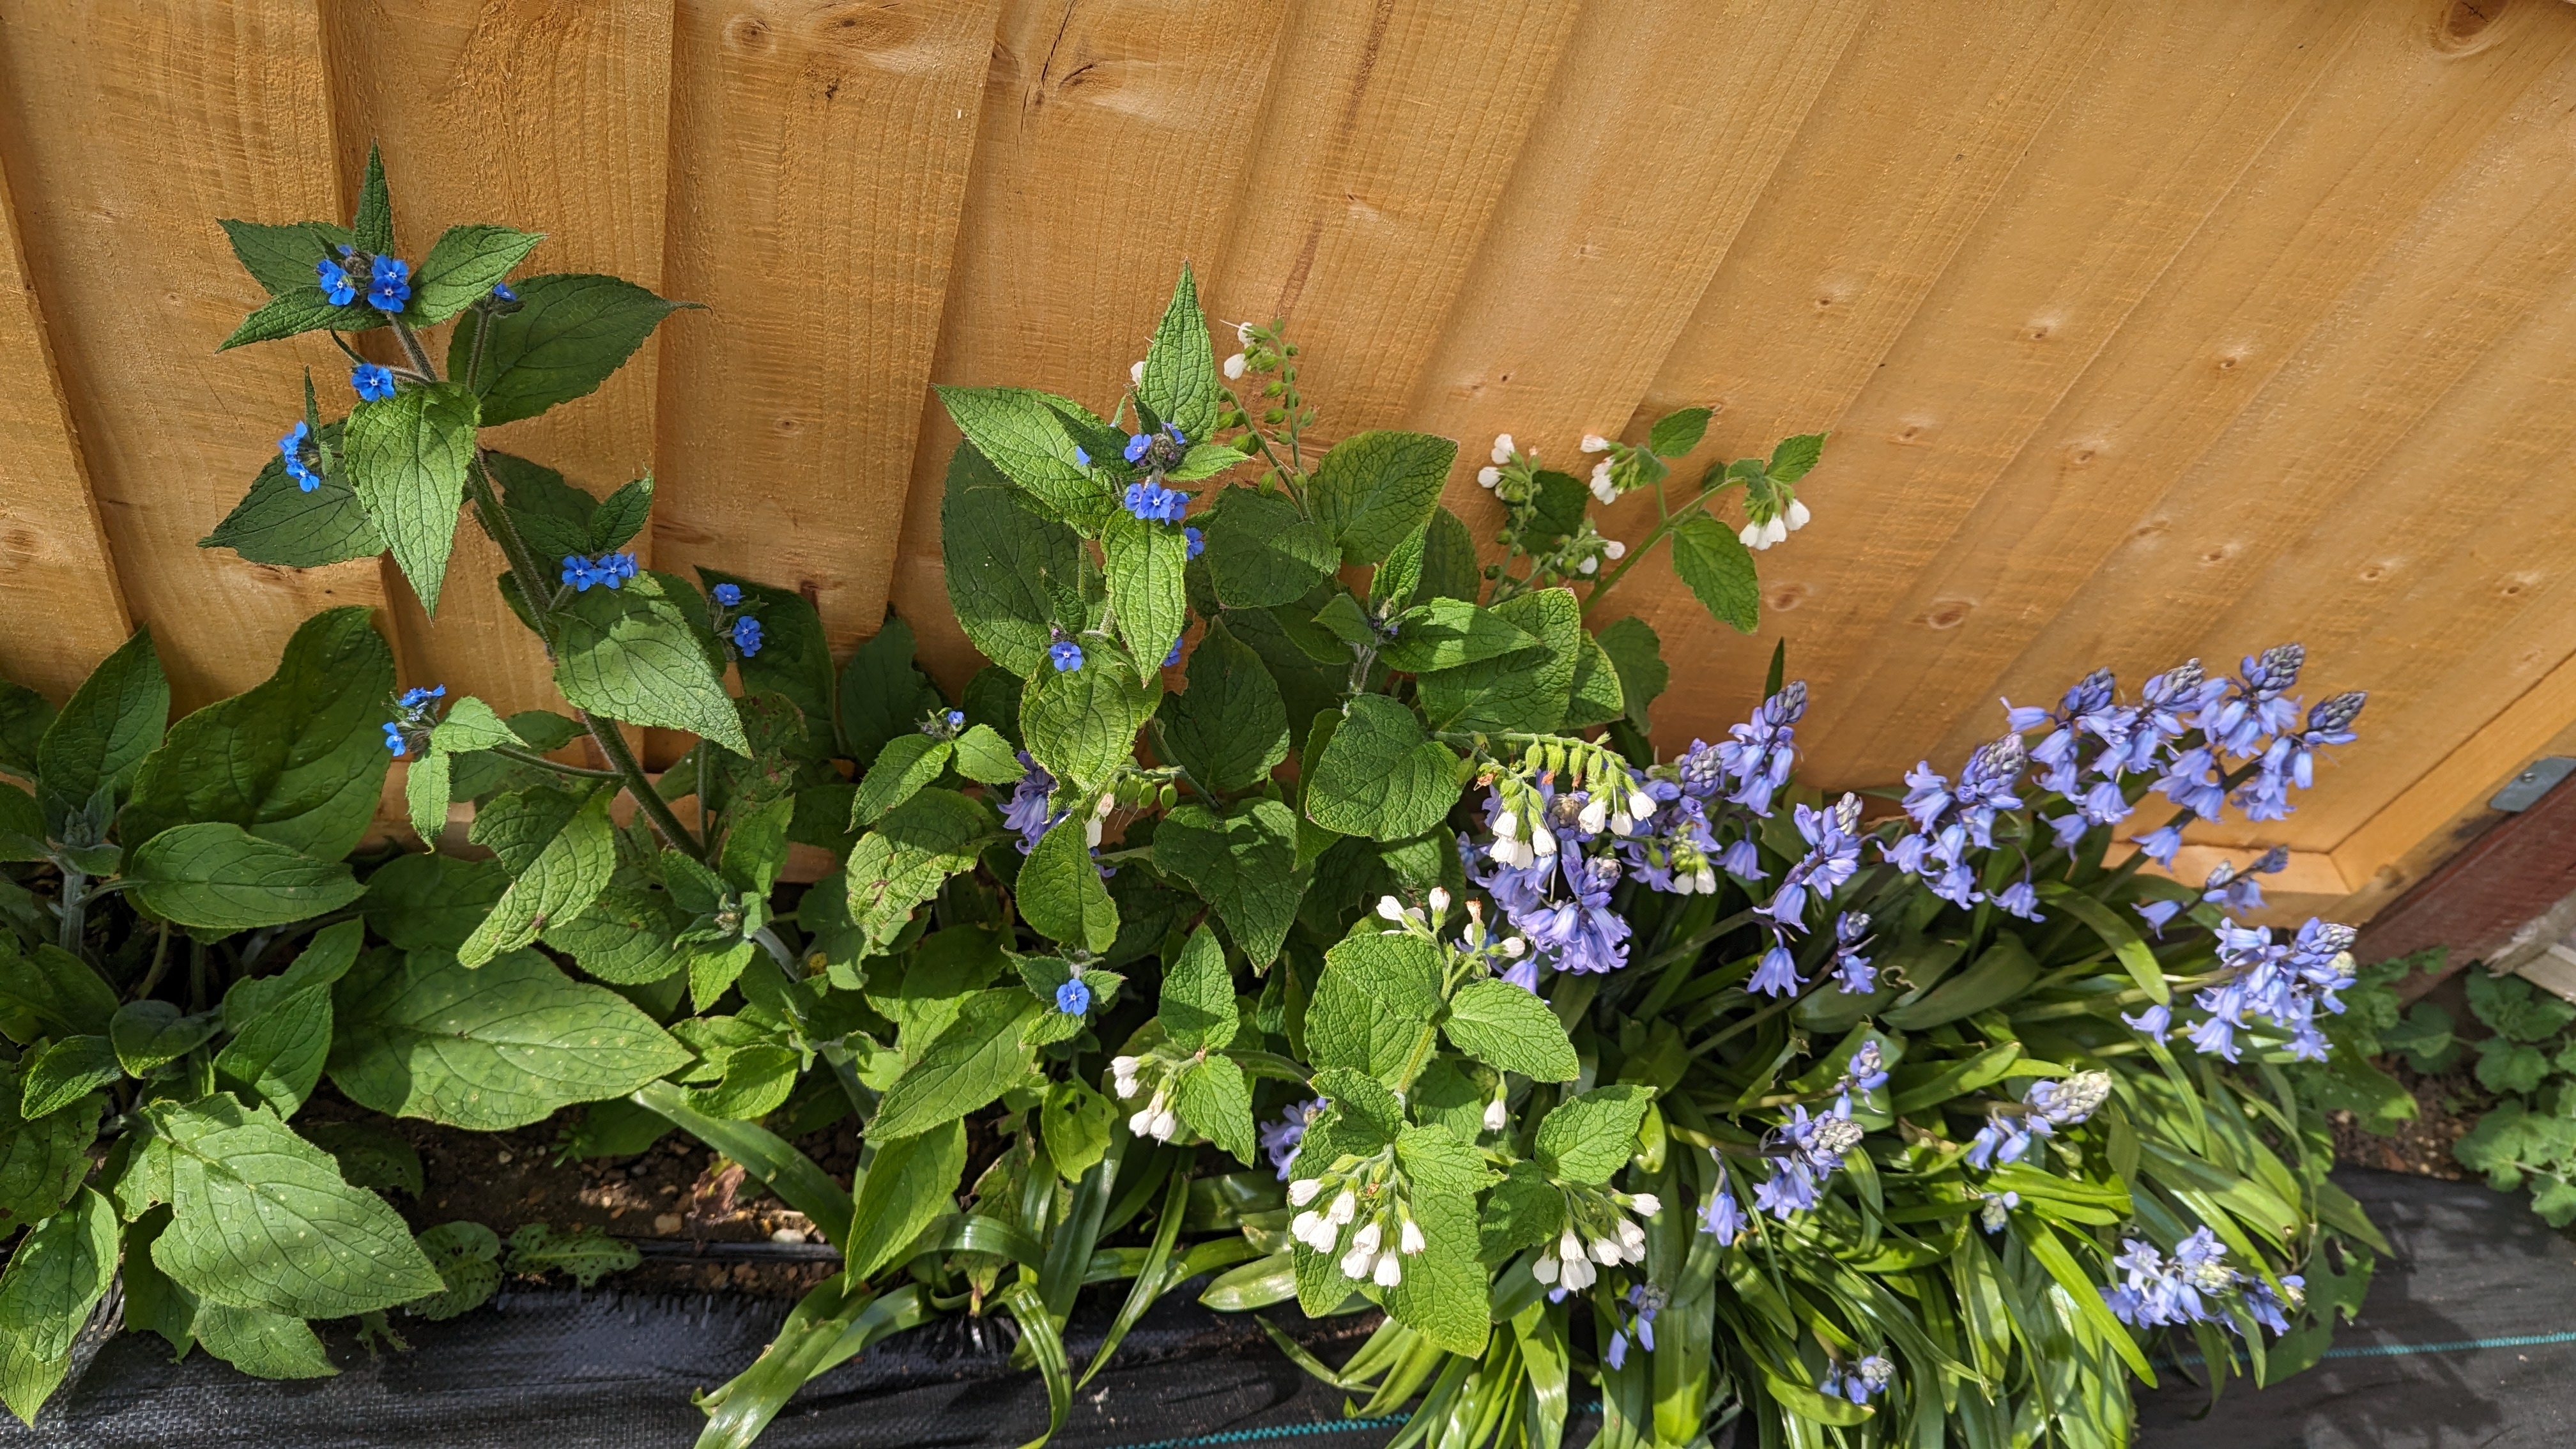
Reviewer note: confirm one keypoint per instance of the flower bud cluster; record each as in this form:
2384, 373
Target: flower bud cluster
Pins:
1357, 1210
1601, 1231
1130, 1076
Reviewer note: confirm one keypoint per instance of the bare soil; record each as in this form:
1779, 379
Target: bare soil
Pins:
2447, 1105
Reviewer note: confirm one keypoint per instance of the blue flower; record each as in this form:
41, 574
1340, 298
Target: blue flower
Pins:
1027, 810
1174, 657
728, 594
2157, 913
1073, 998
577, 572
2021, 900
1722, 1214
1137, 443
419, 696
1638, 1308
617, 568
1281, 1139
373, 383
389, 284
291, 448
1151, 502
336, 282
1760, 752
957, 719
394, 739
1778, 973
501, 291
1859, 1382
1197, 542
746, 635
2152, 1023
2160, 845
1997, 1210
1065, 655
1082, 455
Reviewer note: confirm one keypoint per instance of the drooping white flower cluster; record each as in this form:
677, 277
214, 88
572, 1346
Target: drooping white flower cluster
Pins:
1377, 1241
1601, 1231
1155, 1119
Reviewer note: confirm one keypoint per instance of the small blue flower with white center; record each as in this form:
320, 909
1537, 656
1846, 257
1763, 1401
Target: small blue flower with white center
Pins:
1151, 502
728, 594
419, 696
1197, 542
1065, 655
394, 739
389, 284
1136, 446
501, 292
291, 448
1073, 998
373, 383
577, 572
746, 635
336, 282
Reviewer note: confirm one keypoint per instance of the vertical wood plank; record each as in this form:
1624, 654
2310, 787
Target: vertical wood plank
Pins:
546, 115
127, 131
1638, 173
2349, 171
56, 579
1114, 145
1801, 333
819, 163
1375, 180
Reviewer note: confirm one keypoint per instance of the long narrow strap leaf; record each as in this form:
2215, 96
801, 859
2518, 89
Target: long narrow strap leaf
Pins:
1149, 1279
1068, 1251
976, 1233
790, 1175
1046, 1345
737, 1412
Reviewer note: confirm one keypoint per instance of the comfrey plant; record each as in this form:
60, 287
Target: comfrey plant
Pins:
1295, 909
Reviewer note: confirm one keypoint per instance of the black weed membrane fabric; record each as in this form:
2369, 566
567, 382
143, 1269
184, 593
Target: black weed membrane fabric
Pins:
2468, 1339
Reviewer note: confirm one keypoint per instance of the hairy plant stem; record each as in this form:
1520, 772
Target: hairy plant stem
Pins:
531, 757
74, 909
1663, 529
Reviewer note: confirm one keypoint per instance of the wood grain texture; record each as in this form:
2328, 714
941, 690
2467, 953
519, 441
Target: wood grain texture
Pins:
820, 159
54, 563
2121, 176
2345, 176
1115, 141
127, 130
1359, 222
548, 116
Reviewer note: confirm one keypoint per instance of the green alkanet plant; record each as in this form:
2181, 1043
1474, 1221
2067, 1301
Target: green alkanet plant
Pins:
1296, 906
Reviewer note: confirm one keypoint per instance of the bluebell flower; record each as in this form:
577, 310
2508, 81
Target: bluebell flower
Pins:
1777, 975
1582, 934
1927, 797
1761, 752
1722, 1215
746, 634
728, 594
1833, 857
394, 738
336, 282
501, 292
388, 284
1858, 1383
1742, 859
2160, 845
2020, 899
2000, 1141
2157, 913
1637, 1310
1028, 811
1867, 1069
2159, 1293
1197, 542
1807, 1150
1997, 1209
373, 383
2242, 717
1073, 997
1986, 786
2151, 1023
2265, 1307
1065, 655
1281, 1139
2067, 1101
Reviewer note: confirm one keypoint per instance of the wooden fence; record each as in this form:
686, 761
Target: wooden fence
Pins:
2145, 328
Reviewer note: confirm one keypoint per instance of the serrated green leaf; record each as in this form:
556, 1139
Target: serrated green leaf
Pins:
563, 851
105, 729
277, 1056
281, 258
1509, 1028
62, 992
1374, 1004
407, 457
462, 267
298, 759
1229, 728
1795, 455
301, 309
1597, 696
1442, 1295
1446, 633
1145, 594
1638, 656
432, 902
65, 1072
58, 1273
630, 936
369, 1154
1074, 1124
903, 768
468, 1256
1588, 1137
1527, 689
1381, 776
1244, 862
1197, 1009
487, 1048
1719, 570
151, 1033
263, 1344
24, 715
1374, 489
586, 1254
633, 654
882, 696
569, 332
1215, 1099
1025, 435
1676, 433
1261, 552
985, 757
1180, 382
277, 522
372, 229
41, 1159
1523, 1211
219, 877
1008, 565
1060, 893
261, 1218
975, 1060
900, 864
1081, 724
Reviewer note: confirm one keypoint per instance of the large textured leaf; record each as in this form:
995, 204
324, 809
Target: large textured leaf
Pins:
1527, 689
57, 1274
1719, 570
882, 695
974, 1061
1060, 894
66, 1072
629, 936
1444, 633
910, 1185
264, 1344
902, 863
1180, 382
1374, 1004
277, 1056
1442, 1295
570, 331
564, 851
407, 457
1244, 862
1589, 1137
1024, 434
1082, 724
1229, 728
220, 877
1381, 776
41, 1161
1376, 489
1014, 574
1262, 552
1506, 1027
432, 902
632, 654
490, 1047
61, 993
261, 1218
1145, 594
106, 728
281, 257
1638, 656
461, 268
279, 523
794, 659
298, 759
